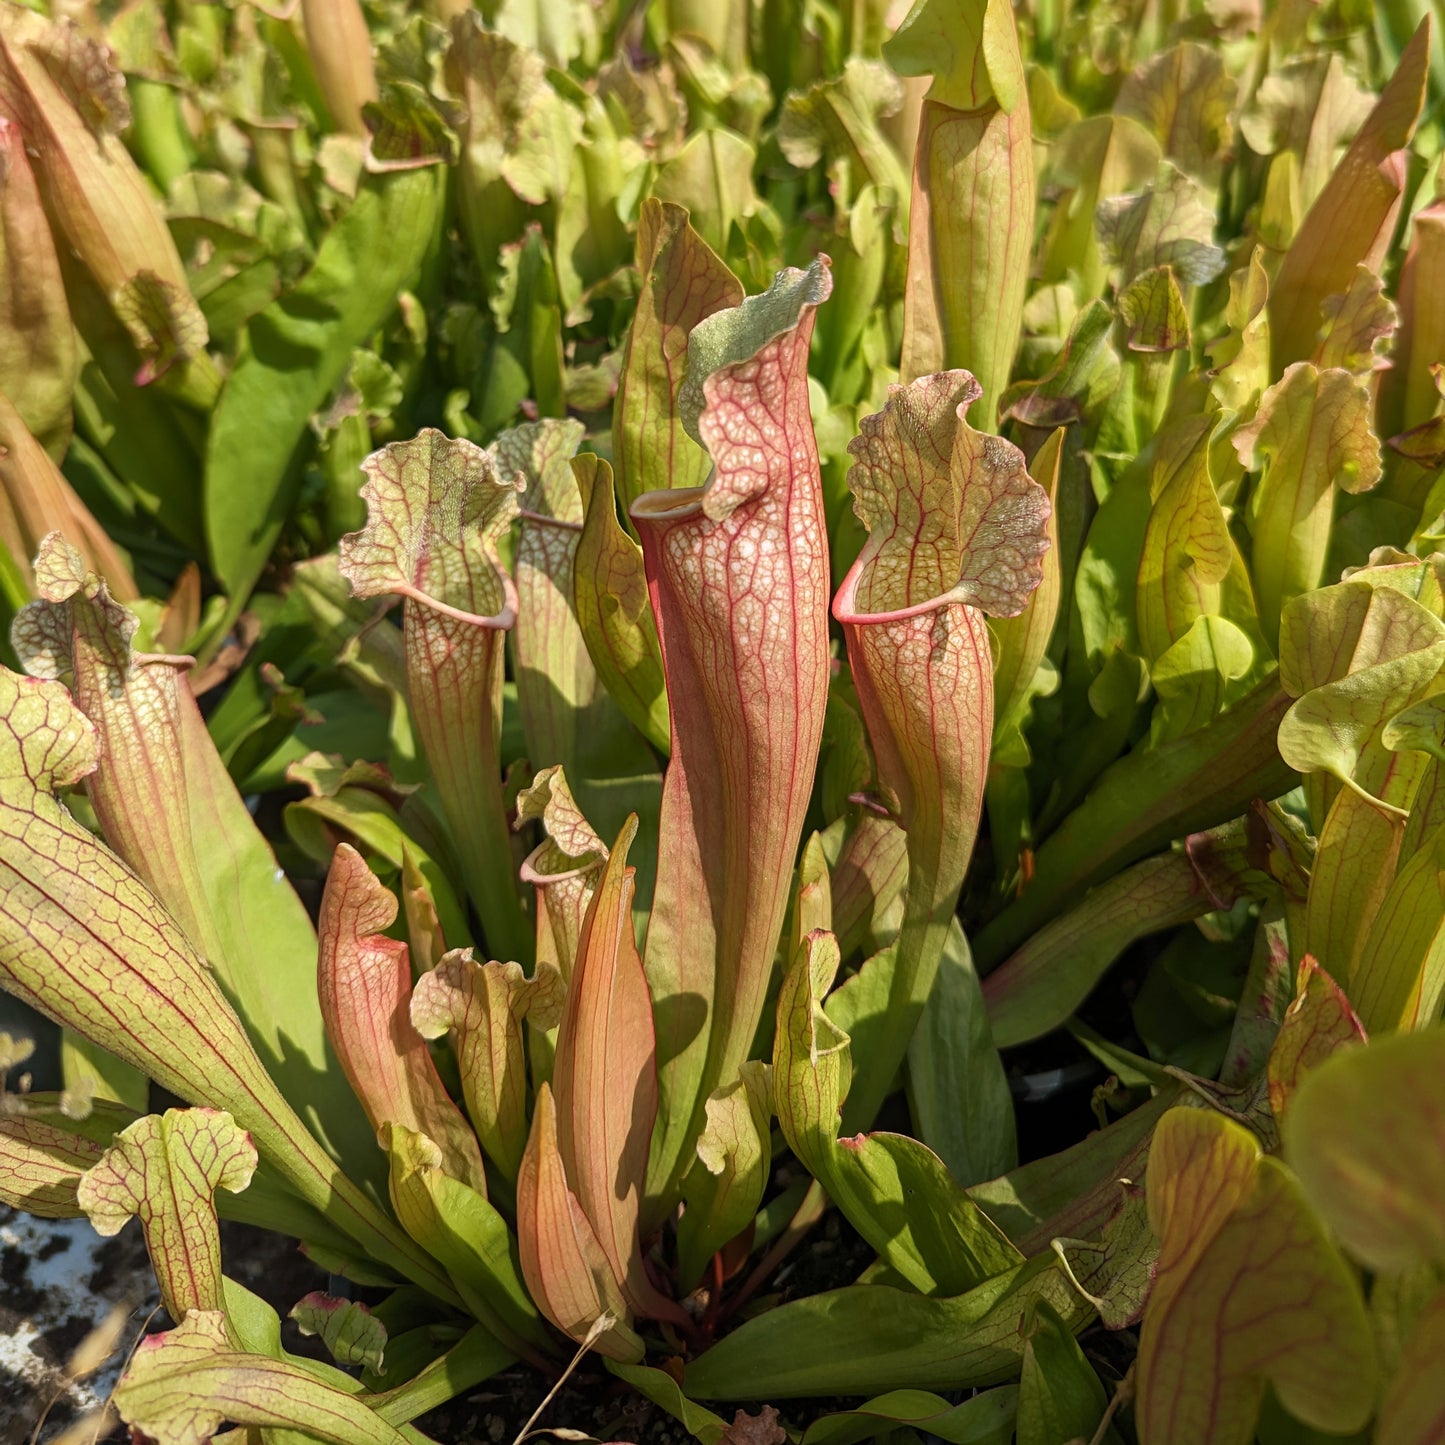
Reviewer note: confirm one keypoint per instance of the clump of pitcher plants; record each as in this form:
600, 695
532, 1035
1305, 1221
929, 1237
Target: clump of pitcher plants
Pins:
737, 725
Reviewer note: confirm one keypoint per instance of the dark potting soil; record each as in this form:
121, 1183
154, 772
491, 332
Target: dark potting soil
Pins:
58, 1279
602, 1407
591, 1402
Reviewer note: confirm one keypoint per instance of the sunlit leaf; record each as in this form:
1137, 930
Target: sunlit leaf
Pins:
838, 118
604, 1079
43, 1154
592, 238
436, 510
36, 499
1421, 726
1368, 638
1096, 158
1169, 224
483, 1005
181, 1385
1351, 222
566, 1271
869, 1337
967, 264
943, 1248
1184, 96
956, 525
1020, 643
557, 685
424, 928
710, 180
1240, 358
564, 868
613, 610
1310, 105
251, 477
95, 951
164, 1168
1250, 1289
967, 46
734, 1153
1336, 725
1363, 1133
1188, 551
1318, 1022
1198, 676
950, 511
1060, 1397
1153, 312
1354, 866
35, 375
170, 809
739, 584
461, 1229
520, 139
1356, 323
349, 1330
1082, 376
1311, 434
364, 979
94, 193
1409, 392
366, 808
1398, 980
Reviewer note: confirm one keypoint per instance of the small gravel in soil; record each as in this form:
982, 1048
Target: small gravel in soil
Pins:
58, 1279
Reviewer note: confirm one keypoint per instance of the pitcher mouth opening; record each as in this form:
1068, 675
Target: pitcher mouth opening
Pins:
845, 610
684, 502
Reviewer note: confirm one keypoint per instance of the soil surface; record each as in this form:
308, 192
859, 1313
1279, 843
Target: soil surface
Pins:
59, 1279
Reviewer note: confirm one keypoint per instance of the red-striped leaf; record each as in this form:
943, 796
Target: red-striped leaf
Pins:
562, 1261
605, 1079
956, 525
365, 983
436, 509
483, 1005
165, 1168
739, 577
